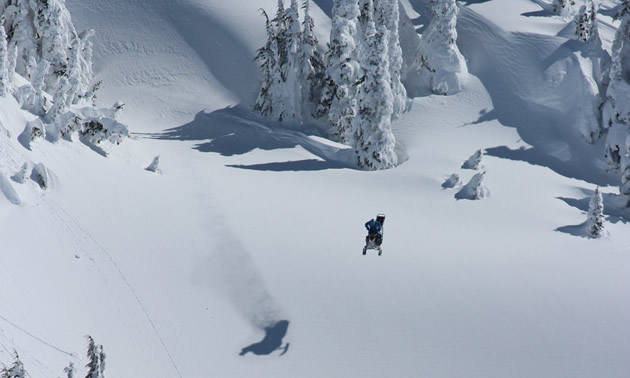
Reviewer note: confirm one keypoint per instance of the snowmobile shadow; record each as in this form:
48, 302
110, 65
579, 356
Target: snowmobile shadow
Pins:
237, 131
615, 209
271, 342
572, 168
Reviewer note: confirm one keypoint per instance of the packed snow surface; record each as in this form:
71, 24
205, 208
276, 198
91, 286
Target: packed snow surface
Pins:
243, 257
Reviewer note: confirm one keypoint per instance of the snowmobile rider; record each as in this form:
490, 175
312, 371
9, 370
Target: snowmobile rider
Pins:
374, 228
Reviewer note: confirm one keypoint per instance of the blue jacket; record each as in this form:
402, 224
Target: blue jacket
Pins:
373, 227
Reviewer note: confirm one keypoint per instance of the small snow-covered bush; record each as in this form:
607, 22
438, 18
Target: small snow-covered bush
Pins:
452, 181
473, 162
20, 176
475, 189
97, 130
153, 167
40, 175
33, 130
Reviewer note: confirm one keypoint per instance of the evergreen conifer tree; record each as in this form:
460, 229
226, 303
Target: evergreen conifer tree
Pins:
389, 16
24, 39
69, 370
55, 30
474, 189
278, 90
373, 140
616, 110
623, 10
265, 59
96, 360
74, 71
595, 220
281, 34
4, 61
86, 90
343, 70
60, 100
474, 161
440, 57
37, 101
16, 370
312, 66
11, 61
586, 22
292, 70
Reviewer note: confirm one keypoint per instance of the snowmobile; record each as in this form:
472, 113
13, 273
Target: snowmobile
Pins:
375, 241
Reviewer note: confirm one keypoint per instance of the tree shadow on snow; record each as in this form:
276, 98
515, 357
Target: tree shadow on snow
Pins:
299, 165
571, 168
325, 6
545, 11
271, 342
615, 209
237, 131
513, 69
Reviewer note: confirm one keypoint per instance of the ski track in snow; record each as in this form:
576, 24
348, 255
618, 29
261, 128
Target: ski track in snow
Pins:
84, 240
42, 341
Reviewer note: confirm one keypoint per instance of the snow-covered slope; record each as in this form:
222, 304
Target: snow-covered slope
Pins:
251, 223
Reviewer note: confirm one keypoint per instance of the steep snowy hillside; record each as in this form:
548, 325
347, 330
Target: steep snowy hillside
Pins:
242, 256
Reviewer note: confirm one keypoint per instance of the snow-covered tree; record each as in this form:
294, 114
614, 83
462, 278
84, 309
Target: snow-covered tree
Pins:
55, 32
389, 16
292, 69
595, 221
60, 100
563, 7
278, 92
37, 103
20, 176
343, 70
452, 181
558, 5
16, 370
96, 360
440, 58
69, 370
586, 22
4, 61
74, 71
11, 61
373, 140
474, 189
616, 110
281, 33
588, 116
24, 39
40, 175
311, 63
474, 161
154, 166
87, 88
265, 60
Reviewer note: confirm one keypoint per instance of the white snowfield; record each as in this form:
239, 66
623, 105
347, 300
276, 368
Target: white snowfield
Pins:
243, 257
